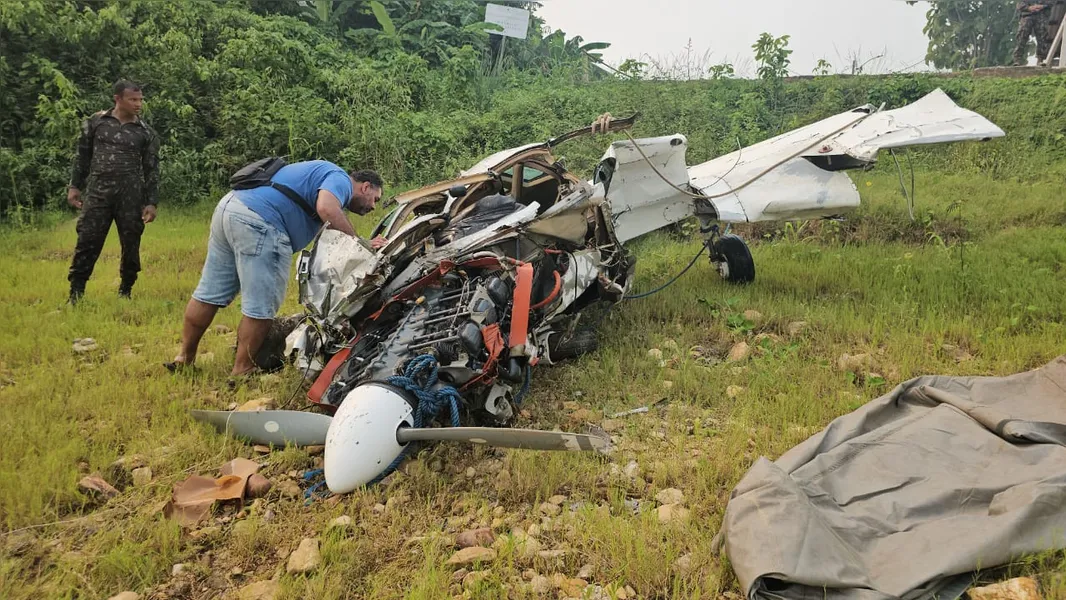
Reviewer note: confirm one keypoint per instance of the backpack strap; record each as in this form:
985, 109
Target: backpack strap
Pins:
299, 200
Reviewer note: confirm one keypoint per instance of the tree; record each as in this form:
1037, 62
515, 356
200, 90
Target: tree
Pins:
966, 34
772, 56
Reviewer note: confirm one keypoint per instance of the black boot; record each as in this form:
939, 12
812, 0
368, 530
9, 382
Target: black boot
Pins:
76, 292
125, 289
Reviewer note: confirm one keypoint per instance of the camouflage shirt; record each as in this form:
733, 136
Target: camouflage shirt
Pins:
1022, 6
109, 149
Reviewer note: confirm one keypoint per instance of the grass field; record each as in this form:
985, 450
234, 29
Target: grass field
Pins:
975, 286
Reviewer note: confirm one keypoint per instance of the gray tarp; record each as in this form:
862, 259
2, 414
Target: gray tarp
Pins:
941, 477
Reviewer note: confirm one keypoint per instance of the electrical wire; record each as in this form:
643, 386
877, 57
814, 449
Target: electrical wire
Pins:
669, 283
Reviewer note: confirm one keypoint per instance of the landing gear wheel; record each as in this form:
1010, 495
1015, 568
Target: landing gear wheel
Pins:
733, 259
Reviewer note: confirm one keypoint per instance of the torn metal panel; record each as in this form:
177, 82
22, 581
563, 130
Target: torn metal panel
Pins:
933, 119
795, 190
729, 180
494, 160
331, 274
640, 200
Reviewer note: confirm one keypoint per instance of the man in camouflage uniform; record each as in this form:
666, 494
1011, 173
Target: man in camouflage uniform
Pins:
1032, 20
118, 158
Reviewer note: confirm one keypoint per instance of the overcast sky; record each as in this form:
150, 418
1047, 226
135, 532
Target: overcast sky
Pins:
724, 30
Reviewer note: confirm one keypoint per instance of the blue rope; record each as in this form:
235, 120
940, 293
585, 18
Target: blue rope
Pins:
525, 386
419, 377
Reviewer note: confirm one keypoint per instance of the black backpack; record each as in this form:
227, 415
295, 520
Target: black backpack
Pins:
259, 174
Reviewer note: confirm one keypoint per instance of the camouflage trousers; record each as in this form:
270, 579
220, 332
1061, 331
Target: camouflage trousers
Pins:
1029, 26
108, 201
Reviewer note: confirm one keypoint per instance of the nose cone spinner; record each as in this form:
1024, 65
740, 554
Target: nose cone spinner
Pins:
361, 440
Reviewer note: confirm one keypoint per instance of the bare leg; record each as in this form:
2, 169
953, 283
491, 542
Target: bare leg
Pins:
198, 317
250, 335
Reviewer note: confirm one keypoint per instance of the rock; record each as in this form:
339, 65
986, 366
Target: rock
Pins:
957, 353
94, 485
471, 473
288, 488
740, 351
503, 480
631, 470
673, 512
142, 476
581, 415
796, 327
557, 499
84, 346
670, 345
550, 509
586, 572
258, 486
378, 509
683, 565
260, 590
573, 588
655, 353
670, 496
541, 585
733, 391
767, 336
552, 554
126, 596
753, 315
482, 536
258, 448
855, 362
222, 329
668, 385
472, 555
315, 450
621, 594
206, 533
177, 569
1020, 588
258, 404
306, 558
612, 425
341, 522
472, 579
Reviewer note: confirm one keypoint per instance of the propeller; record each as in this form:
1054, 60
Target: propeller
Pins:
502, 437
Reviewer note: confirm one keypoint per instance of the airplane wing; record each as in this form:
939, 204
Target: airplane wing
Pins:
796, 175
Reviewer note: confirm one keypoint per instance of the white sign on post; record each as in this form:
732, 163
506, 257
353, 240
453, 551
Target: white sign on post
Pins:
515, 21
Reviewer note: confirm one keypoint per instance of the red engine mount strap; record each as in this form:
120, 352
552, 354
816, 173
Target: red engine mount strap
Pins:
520, 312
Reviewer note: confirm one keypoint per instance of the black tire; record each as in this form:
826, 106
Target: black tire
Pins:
733, 254
582, 342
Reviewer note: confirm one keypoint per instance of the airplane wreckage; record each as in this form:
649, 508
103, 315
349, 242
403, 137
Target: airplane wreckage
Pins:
485, 276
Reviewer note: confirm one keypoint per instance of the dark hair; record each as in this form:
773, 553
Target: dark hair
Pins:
369, 177
122, 85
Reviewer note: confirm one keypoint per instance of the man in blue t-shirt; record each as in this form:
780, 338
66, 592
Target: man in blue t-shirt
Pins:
254, 234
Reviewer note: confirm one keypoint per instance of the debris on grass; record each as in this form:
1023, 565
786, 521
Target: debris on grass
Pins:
192, 499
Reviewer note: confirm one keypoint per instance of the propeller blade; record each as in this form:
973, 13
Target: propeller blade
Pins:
270, 427
526, 439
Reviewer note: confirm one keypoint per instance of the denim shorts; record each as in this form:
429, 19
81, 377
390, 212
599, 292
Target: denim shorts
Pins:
248, 255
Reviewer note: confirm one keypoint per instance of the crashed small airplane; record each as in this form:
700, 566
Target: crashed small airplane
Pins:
486, 276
